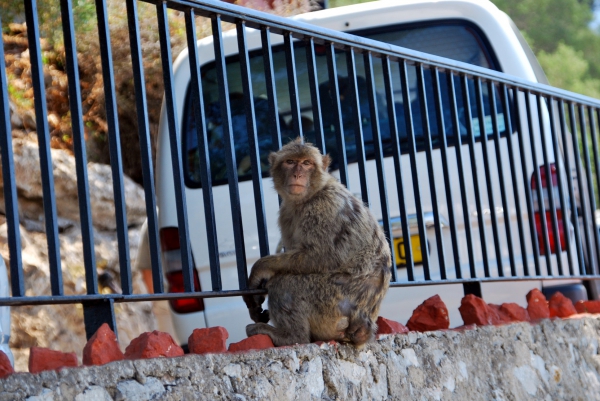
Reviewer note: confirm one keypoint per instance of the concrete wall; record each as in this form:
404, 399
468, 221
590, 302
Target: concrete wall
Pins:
553, 360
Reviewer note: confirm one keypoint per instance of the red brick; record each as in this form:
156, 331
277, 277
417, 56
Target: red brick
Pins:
561, 306
474, 310
498, 316
259, 341
465, 327
211, 340
386, 326
537, 306
41, 359
514, 312
102, 348
430, 315
588, 306
153, 345
6, 368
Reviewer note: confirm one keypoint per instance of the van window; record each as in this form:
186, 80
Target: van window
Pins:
458, 40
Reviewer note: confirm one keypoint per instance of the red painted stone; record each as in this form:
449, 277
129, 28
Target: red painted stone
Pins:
498, 316
259, 341
588, 306
6, 368
386, 326
561, 306
153, 345
465, 327
211, 340
474, 310
102, 348
430, 315
41, 359
514, 312
537, 306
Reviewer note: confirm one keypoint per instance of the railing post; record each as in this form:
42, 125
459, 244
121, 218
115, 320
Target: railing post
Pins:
96, 313
472, 287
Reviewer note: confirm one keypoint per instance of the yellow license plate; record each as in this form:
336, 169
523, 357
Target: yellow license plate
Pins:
415, 243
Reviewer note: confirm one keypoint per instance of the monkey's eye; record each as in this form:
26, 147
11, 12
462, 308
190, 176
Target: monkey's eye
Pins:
290, 161
306, 162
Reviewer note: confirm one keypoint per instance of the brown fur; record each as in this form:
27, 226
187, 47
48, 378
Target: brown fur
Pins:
335, 271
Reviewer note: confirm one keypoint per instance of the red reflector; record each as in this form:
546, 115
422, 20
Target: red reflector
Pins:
186, 305
551, 239
169, 239
543, 180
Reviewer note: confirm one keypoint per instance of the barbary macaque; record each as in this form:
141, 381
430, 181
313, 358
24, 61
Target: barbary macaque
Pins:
329, 282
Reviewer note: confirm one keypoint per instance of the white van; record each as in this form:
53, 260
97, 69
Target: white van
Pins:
468, 31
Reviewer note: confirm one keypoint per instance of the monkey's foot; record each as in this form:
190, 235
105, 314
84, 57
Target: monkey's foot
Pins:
254, 329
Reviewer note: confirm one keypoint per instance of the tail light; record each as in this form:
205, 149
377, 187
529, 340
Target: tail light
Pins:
171, 253
553, 173
551, 239
552, 185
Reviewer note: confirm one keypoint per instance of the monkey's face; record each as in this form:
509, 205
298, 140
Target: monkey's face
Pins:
298, 172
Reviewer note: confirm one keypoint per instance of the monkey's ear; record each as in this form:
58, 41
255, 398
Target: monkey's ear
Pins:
272, 158
326, 160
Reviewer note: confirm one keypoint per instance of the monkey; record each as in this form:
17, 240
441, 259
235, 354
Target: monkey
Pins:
335, 270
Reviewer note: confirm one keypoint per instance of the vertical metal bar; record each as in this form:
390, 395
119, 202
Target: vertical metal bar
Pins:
313, 82
87, 229
290, 63
41, 118
174, 141
473, 287
550, 188
357, 122
591, 194
526, 186
573, 201
513, 175
486, 171
145, 145
389, 95
593, 134
412, 150
432, 190
536, 174
476, 190
96, 313
10, 187
334, 90
500, 165
461, 173
561, 190
580, 186
378, 150
259, 203
271, 89
232, 177
201, 135
444, 154
114, 143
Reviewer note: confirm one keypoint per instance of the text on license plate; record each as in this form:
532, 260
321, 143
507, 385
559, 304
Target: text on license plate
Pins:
401, 253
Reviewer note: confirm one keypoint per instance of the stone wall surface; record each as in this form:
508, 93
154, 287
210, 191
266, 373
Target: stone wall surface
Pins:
553, 360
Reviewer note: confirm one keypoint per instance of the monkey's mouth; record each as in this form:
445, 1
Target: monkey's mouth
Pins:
296, 188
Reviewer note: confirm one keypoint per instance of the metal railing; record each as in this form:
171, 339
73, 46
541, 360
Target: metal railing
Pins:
553, 131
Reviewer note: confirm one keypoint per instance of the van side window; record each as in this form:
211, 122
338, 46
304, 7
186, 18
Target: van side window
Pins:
455, 39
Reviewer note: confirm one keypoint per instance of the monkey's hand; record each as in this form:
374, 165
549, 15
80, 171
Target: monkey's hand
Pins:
257, 314
262, 271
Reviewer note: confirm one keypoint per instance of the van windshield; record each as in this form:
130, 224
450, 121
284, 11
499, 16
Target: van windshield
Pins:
458, 40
